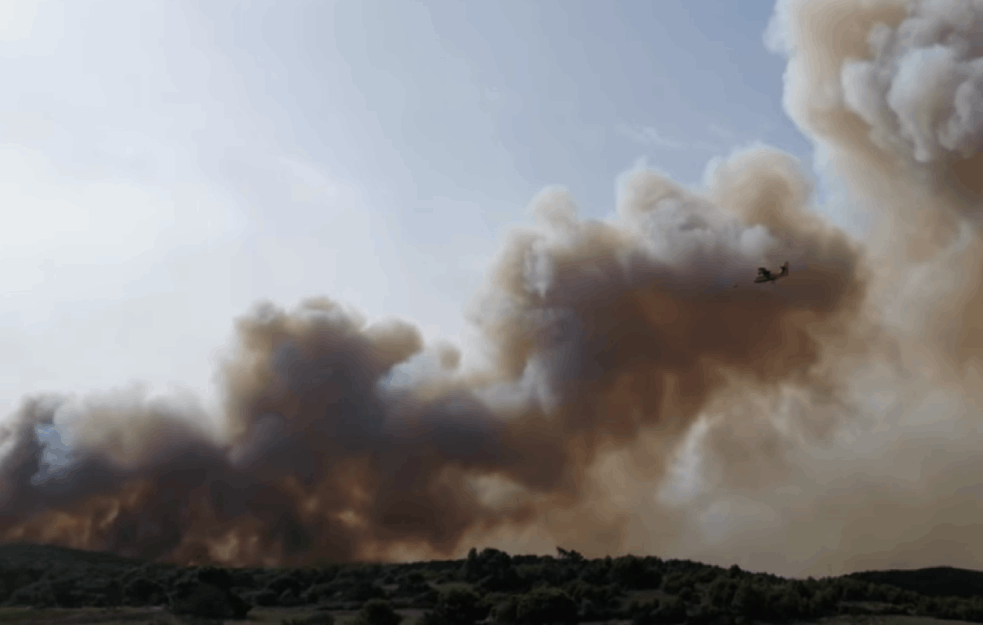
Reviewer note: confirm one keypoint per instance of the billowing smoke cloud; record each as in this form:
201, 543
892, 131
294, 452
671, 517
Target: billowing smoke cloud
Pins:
599, 331
641, 392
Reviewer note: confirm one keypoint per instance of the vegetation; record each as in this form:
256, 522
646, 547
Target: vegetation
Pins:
490, 584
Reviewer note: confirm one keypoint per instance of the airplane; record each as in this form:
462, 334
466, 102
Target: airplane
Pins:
766, 276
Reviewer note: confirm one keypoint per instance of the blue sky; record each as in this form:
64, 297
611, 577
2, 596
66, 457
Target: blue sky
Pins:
169, 164
451, 116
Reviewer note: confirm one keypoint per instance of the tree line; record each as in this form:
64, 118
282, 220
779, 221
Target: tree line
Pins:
490, 584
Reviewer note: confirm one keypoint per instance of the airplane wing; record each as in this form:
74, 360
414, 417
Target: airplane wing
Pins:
763, 272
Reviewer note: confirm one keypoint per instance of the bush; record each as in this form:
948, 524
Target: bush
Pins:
596, 572
37, 595
378, 612
643, 613
632, 572
426, 600
365, 590
266, 597
546, 605
143, 591
490, 562
749, 600
459, 605
505, 612
215, 576
590, 610
318, 618
675, 582
671, 610
412, 585
289, 599
199, 599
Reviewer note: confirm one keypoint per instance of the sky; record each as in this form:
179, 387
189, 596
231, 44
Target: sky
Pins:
170, 164
623, 384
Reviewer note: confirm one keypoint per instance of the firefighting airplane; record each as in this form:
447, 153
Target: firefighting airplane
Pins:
766, 276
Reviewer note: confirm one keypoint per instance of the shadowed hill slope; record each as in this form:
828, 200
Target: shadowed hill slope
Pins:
507, 588
942, 581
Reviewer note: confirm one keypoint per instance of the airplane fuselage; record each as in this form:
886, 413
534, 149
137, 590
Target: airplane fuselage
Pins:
766, 276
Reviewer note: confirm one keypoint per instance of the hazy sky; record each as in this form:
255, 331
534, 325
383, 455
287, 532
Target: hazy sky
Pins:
167, 164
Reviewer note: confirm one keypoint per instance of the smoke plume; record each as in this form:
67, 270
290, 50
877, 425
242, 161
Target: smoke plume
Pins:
642, 393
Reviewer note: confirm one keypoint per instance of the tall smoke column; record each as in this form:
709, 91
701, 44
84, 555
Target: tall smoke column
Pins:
892, 92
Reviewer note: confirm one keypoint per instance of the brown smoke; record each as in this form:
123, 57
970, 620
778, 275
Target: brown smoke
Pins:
642, 393
601, 332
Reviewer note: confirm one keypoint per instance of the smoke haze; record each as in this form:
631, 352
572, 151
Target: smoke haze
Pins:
641, 393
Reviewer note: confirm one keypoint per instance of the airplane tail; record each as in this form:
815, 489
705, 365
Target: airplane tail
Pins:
784, 269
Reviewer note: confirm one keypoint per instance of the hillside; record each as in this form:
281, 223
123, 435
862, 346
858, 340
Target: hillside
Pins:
490, 583
942, 581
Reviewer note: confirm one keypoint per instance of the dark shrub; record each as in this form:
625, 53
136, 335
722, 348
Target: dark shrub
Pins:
721, 592
412, 585
501, 580
430, 617
675, 582
546, 605
143, 591
289, 580
595, 572
749, 600
215, 576
318, 593
427, 599
37, 595
289, 599
378, 612
488, 562
783, 603
643, 613
365, 590
505, 612
318, 618
671, 610
824, 601
632, 572
266, 597
459, 605
208, 601
590, 610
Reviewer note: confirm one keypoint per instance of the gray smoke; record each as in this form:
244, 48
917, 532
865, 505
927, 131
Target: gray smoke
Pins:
642, 393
